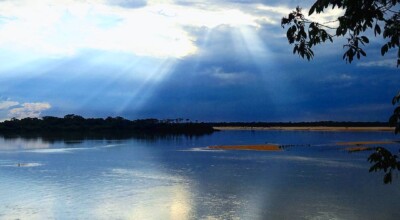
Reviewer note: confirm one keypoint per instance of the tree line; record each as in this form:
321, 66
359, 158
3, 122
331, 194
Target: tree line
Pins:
77, 123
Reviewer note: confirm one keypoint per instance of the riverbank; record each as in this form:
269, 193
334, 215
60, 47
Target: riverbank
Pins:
306, 128
262, 147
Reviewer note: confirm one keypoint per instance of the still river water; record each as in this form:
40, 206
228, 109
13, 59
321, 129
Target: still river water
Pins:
177, 178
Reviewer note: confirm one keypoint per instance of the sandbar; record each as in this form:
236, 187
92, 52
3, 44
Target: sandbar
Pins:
356, 149
263, 147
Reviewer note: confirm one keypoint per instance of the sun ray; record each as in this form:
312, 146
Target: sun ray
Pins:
140, 95
112, 79
266, 63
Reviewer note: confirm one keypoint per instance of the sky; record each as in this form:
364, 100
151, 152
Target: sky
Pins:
221, 60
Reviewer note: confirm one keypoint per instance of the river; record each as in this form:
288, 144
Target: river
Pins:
177, 177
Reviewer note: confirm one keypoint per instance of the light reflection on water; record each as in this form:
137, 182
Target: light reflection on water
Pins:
176, 179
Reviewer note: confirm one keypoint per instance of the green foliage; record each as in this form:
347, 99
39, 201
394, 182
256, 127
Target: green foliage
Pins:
359, 16
394, 120
384, 160
76, 123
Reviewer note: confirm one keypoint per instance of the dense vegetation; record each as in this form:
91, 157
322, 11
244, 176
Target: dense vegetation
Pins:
358, 18
75, 123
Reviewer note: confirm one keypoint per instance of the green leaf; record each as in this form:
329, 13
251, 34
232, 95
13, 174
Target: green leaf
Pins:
338, 31
397, 110
387, 178
377, 29
295, 49
384, 49
394, 100
312, 9
373, 168
365, 39
393, 120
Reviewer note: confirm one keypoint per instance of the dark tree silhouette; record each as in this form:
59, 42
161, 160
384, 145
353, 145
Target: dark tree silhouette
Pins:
77, 123
395, 118
384, 160
381, 16
359, 16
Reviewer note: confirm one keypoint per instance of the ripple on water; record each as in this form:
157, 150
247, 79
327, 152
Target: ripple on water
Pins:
126, 173
10, 164
57, 150
202, 149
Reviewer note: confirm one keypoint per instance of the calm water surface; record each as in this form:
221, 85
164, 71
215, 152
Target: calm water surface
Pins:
177, 178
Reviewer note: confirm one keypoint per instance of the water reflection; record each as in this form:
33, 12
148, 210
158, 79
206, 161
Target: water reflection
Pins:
164, 179
158, 202
79, 137
22, 144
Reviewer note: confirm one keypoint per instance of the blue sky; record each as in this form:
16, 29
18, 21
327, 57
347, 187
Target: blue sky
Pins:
208, 61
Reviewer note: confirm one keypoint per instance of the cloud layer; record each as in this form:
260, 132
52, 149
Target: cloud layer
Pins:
143, 28
13, 109
221, 60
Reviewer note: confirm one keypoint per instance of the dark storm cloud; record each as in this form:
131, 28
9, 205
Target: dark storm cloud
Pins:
223, 82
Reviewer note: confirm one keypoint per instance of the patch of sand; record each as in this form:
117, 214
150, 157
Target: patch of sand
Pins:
264, 147
356, 149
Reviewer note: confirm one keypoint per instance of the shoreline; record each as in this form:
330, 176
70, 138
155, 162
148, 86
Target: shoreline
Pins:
305, 128
254, 147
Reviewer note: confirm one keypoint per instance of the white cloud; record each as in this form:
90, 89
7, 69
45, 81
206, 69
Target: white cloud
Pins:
345, 77
31, 110
157, 29
278, 10
228, 78
338, 78
328, 17
65, 27
390, 63
7, 104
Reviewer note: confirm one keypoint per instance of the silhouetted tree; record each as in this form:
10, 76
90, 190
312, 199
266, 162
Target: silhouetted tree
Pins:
395, 118
76, 123
384, 160
359, 16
